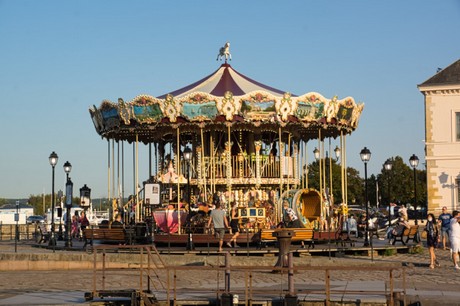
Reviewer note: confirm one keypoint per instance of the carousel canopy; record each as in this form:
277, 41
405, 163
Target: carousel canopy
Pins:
225, 97
222, 80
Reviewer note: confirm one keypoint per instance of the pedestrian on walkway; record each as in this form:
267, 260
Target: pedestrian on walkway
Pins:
432, 239
220, 223
234, 225
444, 220
455, 238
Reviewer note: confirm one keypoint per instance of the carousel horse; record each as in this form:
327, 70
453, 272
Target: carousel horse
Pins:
224, 52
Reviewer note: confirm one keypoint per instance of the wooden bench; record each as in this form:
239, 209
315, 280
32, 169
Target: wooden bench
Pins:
106, 235
45, 235
409, 234
300, 234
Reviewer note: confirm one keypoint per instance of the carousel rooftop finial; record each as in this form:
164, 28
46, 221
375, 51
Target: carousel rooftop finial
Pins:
224, 52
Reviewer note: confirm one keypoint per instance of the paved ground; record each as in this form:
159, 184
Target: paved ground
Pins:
435, 287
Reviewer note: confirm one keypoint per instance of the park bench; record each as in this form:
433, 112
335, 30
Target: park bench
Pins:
45, 235
410, 233
106, 235
303, 235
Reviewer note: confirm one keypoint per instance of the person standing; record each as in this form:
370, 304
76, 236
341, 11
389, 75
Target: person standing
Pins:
84, 222
220, 223
432, 239
117, 223
455, 238
444, 219
291, 219
234, 225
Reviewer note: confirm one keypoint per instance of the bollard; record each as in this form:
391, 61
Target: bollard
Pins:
227, 272
226, 299
290, 299
284, 242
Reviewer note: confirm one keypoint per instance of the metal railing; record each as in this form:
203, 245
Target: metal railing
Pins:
155, 276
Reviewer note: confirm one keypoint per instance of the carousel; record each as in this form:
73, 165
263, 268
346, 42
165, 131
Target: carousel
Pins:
225, 138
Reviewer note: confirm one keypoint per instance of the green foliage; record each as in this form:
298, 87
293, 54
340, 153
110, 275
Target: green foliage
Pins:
398, 183
389, 252
42, 202
355, 183
3, 201
416, 249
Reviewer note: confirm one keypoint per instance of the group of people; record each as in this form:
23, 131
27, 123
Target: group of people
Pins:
78, 224
447, 226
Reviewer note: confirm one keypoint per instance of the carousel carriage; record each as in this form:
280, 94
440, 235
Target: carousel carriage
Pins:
248, 142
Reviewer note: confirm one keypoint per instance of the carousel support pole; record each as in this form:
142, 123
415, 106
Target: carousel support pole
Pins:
178, 181
281, 168
113, 169
123, 173
138, 204
288, 153
150, 160
229, 163
320, 164
258, 145
344, 161
306, 163
296, 162
203, 163
108, 176
211, 164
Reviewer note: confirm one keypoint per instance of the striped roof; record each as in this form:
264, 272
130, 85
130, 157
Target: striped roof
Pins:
225, 79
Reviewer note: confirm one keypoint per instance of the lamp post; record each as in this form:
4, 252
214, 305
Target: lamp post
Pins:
413, 160
187, 157
365, 157
16, 236
53, 159
68, 204
59, 212
388, 165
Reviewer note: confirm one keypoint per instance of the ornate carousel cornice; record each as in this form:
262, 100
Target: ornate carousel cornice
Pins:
146, 114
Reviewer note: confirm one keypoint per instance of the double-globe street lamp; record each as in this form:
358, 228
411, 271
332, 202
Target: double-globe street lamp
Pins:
388, 165
68, 204
53, 159
188, 157
365, 157
413, 160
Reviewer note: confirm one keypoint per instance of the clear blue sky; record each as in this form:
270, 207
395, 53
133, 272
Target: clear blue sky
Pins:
57, 58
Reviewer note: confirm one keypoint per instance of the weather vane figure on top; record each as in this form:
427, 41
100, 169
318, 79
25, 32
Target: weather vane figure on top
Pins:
224, 52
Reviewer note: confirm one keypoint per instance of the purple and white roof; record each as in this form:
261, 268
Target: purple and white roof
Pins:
225, 79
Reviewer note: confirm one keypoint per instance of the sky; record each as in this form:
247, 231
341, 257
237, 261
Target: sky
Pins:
58, 58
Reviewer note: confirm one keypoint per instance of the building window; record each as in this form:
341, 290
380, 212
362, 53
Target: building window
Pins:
457, 126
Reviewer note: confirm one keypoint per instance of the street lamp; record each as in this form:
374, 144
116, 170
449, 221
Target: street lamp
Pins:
68, 199
337, 152
188, 157
316, 153
59, 213
388, 165
413, 160
53, 161
365, 157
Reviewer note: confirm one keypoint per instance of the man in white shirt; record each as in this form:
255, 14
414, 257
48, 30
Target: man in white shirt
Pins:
455, 238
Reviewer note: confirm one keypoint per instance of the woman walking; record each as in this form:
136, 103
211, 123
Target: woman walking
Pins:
432, 239
234, 225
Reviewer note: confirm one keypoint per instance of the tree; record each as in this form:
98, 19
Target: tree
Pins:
355, 183
398, 183
41, 203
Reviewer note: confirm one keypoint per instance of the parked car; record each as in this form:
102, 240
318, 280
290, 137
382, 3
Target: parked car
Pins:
35, 219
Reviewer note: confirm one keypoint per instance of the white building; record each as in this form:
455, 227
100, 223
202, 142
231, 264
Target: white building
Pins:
8, 211
442, 138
